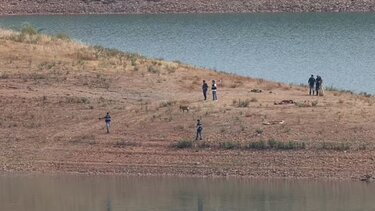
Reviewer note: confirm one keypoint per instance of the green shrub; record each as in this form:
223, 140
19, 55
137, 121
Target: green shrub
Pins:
182, 144
153, 69
27, 33
286, 145
278, 145
229, 145
28, 29
335, 146
62, 36
257, 145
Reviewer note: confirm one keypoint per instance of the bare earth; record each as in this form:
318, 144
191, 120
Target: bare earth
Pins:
53, 91
32, 7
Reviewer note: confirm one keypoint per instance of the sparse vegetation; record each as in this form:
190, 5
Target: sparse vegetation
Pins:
257, 145
182, 144
153, 69
146, 115
124, 144
62, 36
335, 146
78, 100
277, 145
241, 103
167, 104
334, 89
229, 145
28, 34
259, 131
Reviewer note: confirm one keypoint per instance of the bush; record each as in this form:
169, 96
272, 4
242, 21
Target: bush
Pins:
257, 145
4, 76
278, 145
259, 131
286, 145
167, 104
229, 145
62, 36
28, 29
241, 103
27, 33
335, 146
182, 144
107, 52
77, 100
153, 69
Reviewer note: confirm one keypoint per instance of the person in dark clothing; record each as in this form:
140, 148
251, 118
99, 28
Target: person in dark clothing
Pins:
107, 120
199, 130
311, 84
204, 89
214, 89
318, 84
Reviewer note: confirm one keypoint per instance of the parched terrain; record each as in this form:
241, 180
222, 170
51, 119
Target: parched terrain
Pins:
52, 92
27, 7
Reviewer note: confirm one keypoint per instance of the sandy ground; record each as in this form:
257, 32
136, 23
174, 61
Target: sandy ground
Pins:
53, 91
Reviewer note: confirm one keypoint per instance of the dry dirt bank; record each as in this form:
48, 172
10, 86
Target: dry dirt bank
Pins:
27, 7
52, 92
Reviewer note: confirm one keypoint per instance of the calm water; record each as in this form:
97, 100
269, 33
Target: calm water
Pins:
79, 193
280, 47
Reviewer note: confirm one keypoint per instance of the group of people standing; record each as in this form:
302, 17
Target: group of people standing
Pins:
316, 85
214, 97
213, 89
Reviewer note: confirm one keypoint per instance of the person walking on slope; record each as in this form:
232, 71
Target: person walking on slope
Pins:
311, 84
205, 89
199, 130
107, 119
318, 85
214, 88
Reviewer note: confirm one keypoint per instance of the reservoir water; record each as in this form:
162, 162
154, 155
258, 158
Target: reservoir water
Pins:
285, 47
104, 193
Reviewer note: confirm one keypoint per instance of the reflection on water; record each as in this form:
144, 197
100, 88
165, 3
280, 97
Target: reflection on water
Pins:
285, 47
111, 193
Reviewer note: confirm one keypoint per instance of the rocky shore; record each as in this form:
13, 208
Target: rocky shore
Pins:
39, 7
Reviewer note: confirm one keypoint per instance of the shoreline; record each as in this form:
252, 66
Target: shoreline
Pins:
55, 97
198, 177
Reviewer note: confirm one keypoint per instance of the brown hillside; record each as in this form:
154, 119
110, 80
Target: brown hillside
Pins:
52, 92
28, 7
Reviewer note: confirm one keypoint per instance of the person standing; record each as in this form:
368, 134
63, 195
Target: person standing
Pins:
199, 130
214, 89
108, 120
311, 84
318, 84
205, 89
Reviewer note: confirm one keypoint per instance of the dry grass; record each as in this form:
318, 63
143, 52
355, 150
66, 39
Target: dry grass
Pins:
67, 86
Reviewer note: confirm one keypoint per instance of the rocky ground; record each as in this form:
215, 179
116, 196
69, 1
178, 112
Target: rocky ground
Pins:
52, 92
27, 7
